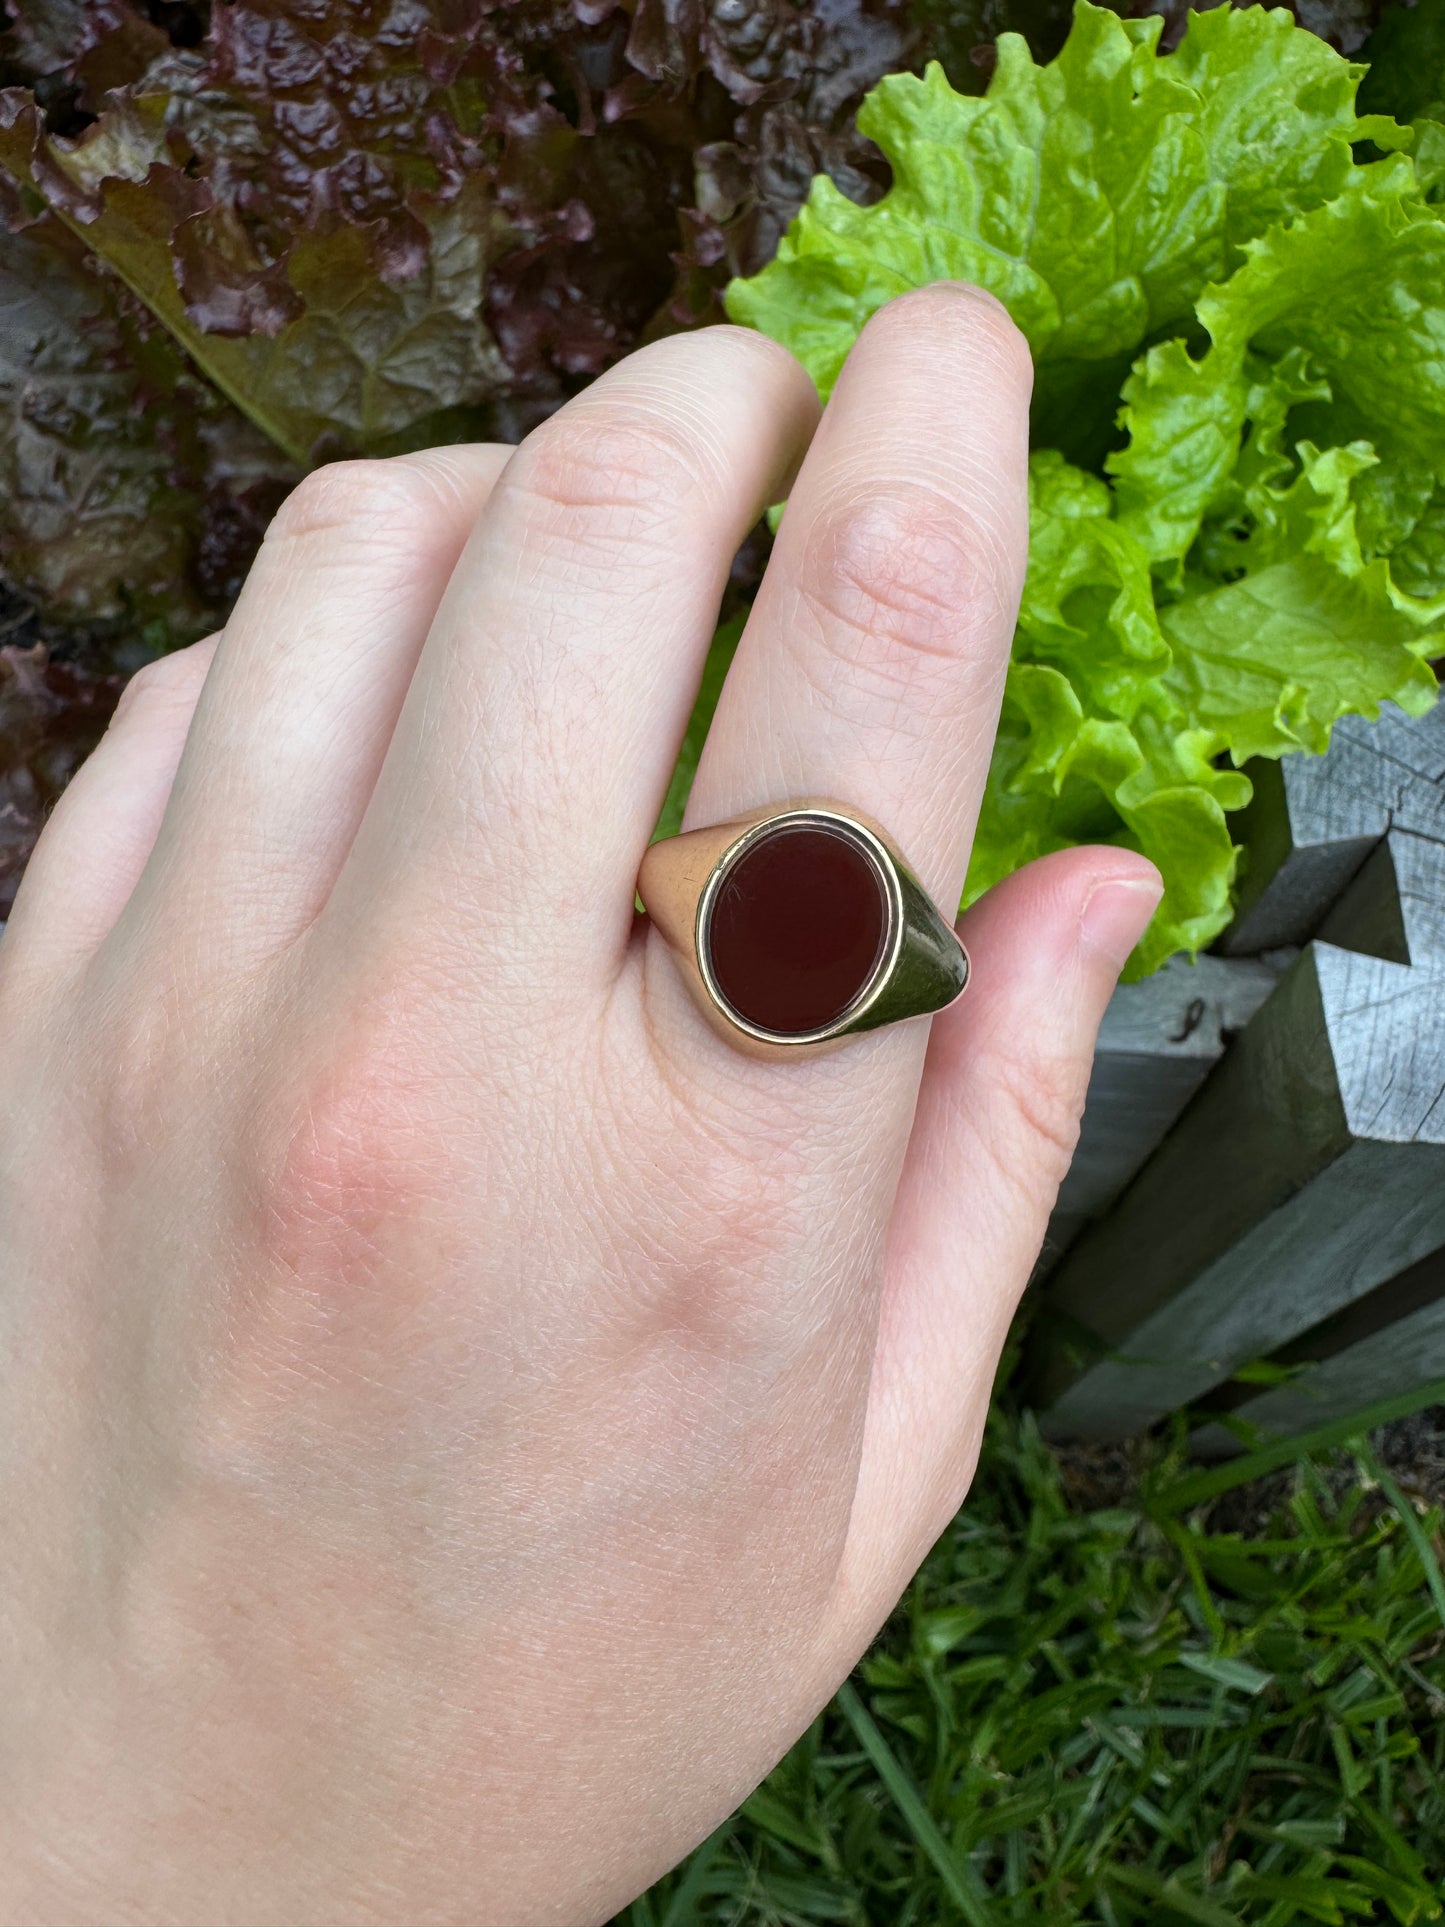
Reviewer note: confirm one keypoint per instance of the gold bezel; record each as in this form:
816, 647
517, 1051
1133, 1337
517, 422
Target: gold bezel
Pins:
880, 860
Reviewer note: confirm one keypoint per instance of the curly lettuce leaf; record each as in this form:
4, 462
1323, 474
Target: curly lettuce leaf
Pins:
1095, 196
1268, 664
1088, 602
1338, 322
1093, 745
378, 224
1193, 236
1119, 712
1418, 565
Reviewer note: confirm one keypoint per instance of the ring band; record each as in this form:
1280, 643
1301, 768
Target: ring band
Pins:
800, 925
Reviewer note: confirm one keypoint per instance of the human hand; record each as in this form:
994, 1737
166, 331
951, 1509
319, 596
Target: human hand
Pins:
462, 1419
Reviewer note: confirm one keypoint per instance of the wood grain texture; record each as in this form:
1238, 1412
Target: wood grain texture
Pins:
1390, 1339
1306, 1173
1158, 1042
1315, 819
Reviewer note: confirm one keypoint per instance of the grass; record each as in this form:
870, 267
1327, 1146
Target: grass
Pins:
1149, 1707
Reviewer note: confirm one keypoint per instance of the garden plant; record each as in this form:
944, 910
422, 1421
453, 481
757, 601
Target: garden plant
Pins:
243, 238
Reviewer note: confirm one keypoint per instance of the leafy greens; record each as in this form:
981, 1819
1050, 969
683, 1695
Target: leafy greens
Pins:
239, 239
1246, 540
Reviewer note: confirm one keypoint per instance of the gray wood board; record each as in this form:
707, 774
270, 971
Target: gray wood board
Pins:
1395, 905
1314, 820
1158, 1041
1392, 1337
1308, 1169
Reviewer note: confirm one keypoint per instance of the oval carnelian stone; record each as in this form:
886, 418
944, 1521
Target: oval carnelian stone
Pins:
797, 928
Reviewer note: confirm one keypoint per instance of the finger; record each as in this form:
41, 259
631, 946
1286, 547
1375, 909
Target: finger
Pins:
302, 698
997, 1119
536, 744
871, 672
104, 826
872, 667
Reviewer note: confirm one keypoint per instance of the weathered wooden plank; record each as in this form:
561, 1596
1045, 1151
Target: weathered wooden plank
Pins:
1395, 906
1314, 820
1394, 1334
1308, 1169
1316, 824
1158, 1041
1392, 1337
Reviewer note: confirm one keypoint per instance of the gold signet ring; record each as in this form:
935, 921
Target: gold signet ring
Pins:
800, 925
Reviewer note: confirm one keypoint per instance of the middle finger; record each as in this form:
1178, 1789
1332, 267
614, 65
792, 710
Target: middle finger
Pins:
542, 725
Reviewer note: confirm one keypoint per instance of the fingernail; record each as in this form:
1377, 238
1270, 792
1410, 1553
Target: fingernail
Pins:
1115, 913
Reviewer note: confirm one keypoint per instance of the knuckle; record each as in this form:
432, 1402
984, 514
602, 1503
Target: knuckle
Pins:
715, 1291
1043, 1100
368, 497
905, 565
341, 1157
630, 469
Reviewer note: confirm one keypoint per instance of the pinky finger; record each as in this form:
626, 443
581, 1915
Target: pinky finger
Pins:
95, 845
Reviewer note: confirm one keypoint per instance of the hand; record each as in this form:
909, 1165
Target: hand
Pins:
462, 1419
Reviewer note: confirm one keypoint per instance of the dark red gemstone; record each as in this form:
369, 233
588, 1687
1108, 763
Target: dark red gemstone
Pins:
797, 928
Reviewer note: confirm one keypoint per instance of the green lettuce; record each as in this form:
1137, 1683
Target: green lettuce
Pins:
1238, 481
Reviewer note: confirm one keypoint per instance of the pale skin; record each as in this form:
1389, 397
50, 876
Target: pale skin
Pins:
460, 1419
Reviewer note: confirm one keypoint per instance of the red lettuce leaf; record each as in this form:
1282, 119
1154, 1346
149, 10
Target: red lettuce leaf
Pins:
360, 216
52, 714
130, 494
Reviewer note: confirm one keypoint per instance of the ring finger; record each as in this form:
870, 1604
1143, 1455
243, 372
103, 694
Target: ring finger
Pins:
870, 673
872, 667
